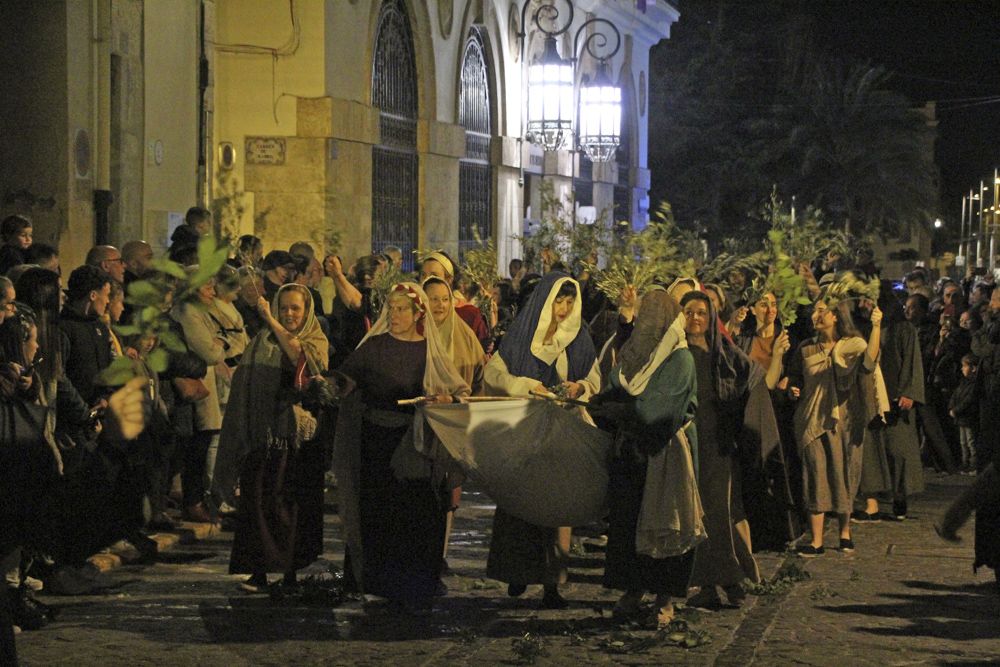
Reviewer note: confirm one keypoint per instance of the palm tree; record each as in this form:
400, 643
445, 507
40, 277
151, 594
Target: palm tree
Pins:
850, 146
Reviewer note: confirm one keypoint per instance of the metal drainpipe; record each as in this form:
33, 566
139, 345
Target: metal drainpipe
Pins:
204, 187
103, 197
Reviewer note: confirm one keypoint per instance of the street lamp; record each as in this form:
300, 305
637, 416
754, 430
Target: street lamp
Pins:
551, 87
600, 102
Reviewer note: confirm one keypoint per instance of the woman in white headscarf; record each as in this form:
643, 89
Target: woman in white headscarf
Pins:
465, 351
268, 439
391, 479
547, 348
654, 507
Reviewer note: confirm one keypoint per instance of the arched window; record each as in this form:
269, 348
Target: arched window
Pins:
475, 174
394, 159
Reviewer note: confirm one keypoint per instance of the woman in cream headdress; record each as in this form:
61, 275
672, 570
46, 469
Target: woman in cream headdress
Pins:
465, 351
546, 347
391, 481
267, 439
438, 264
655, 514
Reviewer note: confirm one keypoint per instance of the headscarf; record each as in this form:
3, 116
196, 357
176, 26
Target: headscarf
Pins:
522, 348
457, 338
440, 258
440, 374
416, 457
732, 371
659, 330
259, 414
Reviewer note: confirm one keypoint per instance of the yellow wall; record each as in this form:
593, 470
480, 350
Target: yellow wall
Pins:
255, 95
171, 112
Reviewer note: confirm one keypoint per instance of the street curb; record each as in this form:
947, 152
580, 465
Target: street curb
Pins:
187, 533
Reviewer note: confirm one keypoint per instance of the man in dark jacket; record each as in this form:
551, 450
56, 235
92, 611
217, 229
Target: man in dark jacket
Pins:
916, 310
86, 340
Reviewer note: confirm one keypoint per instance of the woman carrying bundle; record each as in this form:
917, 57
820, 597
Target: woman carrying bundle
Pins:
546, 349
390, 474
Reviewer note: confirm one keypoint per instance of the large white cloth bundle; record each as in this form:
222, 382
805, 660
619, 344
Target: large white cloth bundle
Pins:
537, 460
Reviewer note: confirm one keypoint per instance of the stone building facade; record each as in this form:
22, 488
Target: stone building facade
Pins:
349, 123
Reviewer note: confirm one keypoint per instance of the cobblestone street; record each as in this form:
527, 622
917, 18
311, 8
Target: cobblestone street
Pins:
906, 597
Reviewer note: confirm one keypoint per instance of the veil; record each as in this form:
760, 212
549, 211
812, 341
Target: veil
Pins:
440, 374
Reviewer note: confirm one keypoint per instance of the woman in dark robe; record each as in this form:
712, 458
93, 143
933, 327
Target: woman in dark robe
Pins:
546, 347
725, 377
394, 500
270, 439
892, 464
771, 488
653, 503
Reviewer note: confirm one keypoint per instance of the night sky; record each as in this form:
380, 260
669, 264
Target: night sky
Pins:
944, 50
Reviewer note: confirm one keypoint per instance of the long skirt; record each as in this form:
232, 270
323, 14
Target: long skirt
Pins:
831, 473
522, 553
770, 501
279, 520
723, 559
987, 490
402, 523
624, 569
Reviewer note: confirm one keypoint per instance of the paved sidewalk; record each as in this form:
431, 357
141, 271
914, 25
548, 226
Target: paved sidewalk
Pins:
905, 598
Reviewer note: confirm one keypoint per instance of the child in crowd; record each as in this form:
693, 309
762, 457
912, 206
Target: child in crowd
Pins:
15, 232
964, 409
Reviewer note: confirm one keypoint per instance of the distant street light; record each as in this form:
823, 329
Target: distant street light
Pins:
938, 223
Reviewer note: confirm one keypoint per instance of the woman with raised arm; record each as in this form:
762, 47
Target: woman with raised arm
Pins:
268, 438
725, 379
825, 377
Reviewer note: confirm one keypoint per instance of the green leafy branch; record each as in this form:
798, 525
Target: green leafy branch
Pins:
849, 287
152, 300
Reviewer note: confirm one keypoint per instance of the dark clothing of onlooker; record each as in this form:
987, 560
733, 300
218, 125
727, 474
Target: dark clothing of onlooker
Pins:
989, 394
10, 256
270, 289
86, 352
964, 404
252, 321
184, 245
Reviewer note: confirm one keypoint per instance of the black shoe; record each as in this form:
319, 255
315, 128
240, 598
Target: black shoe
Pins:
147, 548
861, 516
706, 598
161, 521
735, 595
255, 584
516, 590
809, 551
25, 611
899, 511
946, 533
846, 546
552, 600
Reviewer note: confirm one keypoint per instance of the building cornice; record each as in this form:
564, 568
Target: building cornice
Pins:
648, 27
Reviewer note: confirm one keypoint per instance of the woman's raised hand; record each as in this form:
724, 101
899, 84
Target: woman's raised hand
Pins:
781, 344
